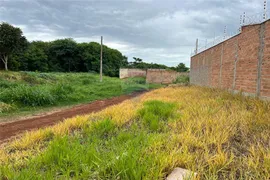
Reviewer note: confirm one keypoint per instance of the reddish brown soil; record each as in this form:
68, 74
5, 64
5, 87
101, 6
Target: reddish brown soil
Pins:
10, 129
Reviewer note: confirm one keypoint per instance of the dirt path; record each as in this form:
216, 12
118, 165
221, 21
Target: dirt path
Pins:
10, 129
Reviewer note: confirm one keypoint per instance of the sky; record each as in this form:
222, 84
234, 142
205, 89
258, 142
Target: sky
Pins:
158, 31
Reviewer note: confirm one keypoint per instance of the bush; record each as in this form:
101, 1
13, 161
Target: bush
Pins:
29, 96
183, 79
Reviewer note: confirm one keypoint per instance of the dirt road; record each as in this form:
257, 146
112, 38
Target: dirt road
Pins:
10, 129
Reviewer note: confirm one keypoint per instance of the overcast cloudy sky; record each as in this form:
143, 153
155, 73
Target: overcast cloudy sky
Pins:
159, 31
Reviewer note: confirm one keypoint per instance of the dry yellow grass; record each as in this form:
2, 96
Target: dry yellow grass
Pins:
217, 134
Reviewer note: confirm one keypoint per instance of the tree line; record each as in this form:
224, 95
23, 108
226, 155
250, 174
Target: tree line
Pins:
63, 55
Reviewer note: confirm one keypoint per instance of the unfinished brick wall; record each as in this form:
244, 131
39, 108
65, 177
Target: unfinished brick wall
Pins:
126, 73
241, 63
265, 68
162, 76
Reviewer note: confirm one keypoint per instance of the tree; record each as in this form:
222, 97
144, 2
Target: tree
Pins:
11, 40
36, 59
181, 68
63, 55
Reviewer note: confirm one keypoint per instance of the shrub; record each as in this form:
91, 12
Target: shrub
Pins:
183, 79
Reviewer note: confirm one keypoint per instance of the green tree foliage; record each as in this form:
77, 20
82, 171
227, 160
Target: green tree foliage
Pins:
181, 68
138, 63
11, 41
65, 55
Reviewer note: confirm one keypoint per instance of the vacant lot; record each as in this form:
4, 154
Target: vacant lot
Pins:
216, 134
25, 92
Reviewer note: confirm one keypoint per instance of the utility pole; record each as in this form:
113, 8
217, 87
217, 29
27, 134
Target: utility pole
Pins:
101, 54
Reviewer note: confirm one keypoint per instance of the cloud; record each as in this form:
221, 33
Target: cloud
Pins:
155, 30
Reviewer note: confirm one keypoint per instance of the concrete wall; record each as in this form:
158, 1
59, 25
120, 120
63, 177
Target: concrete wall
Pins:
125, 73
162, 76
241, 63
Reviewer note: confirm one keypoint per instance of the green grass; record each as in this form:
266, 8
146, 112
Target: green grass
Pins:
102, 150
28, 92
208, 131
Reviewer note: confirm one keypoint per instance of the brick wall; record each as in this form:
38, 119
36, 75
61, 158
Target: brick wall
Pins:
162, 76
241, 63
125, 73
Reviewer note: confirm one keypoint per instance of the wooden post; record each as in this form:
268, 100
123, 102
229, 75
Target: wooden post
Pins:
101, 54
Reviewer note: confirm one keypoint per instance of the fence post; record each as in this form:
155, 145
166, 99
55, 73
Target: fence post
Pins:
260, 59
235, 62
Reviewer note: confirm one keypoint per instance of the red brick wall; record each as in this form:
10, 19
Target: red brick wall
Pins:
162, 76
241, 63
247, 65
265, 74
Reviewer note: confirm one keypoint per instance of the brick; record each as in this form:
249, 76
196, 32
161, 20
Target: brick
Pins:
210, 70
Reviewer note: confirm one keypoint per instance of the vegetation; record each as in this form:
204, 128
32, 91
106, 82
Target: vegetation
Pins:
29, 91
139, 64
183, 79
11, 41
62, 55
211, 132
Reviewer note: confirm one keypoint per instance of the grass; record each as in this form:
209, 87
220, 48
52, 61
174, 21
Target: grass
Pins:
27, 92
212, 132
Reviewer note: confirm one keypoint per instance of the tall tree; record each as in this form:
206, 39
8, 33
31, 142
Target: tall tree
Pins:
11, 40
63, 55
